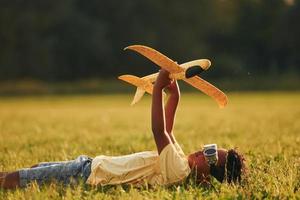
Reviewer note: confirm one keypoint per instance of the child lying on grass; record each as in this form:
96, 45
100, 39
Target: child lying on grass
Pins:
168, 165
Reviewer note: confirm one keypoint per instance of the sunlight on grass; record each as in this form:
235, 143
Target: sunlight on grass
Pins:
265, 126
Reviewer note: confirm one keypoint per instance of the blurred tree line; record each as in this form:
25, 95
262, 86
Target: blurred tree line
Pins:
54, 40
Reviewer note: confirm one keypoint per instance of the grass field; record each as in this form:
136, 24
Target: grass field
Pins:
265, 126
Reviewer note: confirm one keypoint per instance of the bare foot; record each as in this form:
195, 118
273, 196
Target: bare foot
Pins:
9, 180
2, 174
2, 177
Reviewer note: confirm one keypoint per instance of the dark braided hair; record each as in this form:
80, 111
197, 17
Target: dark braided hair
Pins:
233, 168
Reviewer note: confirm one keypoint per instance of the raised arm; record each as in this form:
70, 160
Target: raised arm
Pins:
158, 114
171, 107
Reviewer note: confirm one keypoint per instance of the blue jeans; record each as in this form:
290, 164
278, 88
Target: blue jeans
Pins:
66, 172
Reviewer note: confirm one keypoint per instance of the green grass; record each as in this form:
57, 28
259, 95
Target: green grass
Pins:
265, 126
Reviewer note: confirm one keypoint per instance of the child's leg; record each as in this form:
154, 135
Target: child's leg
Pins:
44, 164
63, 172
11, 180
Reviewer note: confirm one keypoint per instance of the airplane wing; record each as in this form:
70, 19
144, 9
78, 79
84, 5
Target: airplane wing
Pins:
142, 84
151, 77
134, 80
166, 63
158, 58
138, 82
208, 89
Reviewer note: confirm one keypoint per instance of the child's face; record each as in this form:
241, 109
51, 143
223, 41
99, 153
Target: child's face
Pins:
197, 160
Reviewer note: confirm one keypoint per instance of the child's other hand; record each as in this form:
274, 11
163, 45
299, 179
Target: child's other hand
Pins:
162, 79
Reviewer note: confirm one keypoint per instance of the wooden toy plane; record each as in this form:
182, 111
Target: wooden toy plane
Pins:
187, 72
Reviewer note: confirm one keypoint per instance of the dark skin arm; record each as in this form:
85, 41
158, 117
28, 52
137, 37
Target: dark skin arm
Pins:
171, 107
162, 120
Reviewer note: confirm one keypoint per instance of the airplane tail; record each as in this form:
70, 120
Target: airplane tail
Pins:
138, 95
143, 85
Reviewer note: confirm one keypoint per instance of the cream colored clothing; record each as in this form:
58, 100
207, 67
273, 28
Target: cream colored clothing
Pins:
171, 166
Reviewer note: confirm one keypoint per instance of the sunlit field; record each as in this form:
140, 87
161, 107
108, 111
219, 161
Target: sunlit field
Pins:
264, 126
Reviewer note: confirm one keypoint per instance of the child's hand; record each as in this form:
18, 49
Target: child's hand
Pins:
173, 88
162, 79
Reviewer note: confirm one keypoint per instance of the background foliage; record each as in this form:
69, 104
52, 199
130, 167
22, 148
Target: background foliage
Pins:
54, 40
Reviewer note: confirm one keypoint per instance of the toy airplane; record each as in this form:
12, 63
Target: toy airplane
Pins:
187, 72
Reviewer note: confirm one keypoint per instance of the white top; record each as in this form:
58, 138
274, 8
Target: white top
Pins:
169, 167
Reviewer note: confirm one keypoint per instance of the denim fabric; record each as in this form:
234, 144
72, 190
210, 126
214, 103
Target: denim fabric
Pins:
66, 172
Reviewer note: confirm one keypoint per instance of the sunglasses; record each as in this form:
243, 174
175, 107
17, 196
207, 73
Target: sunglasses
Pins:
210, 152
